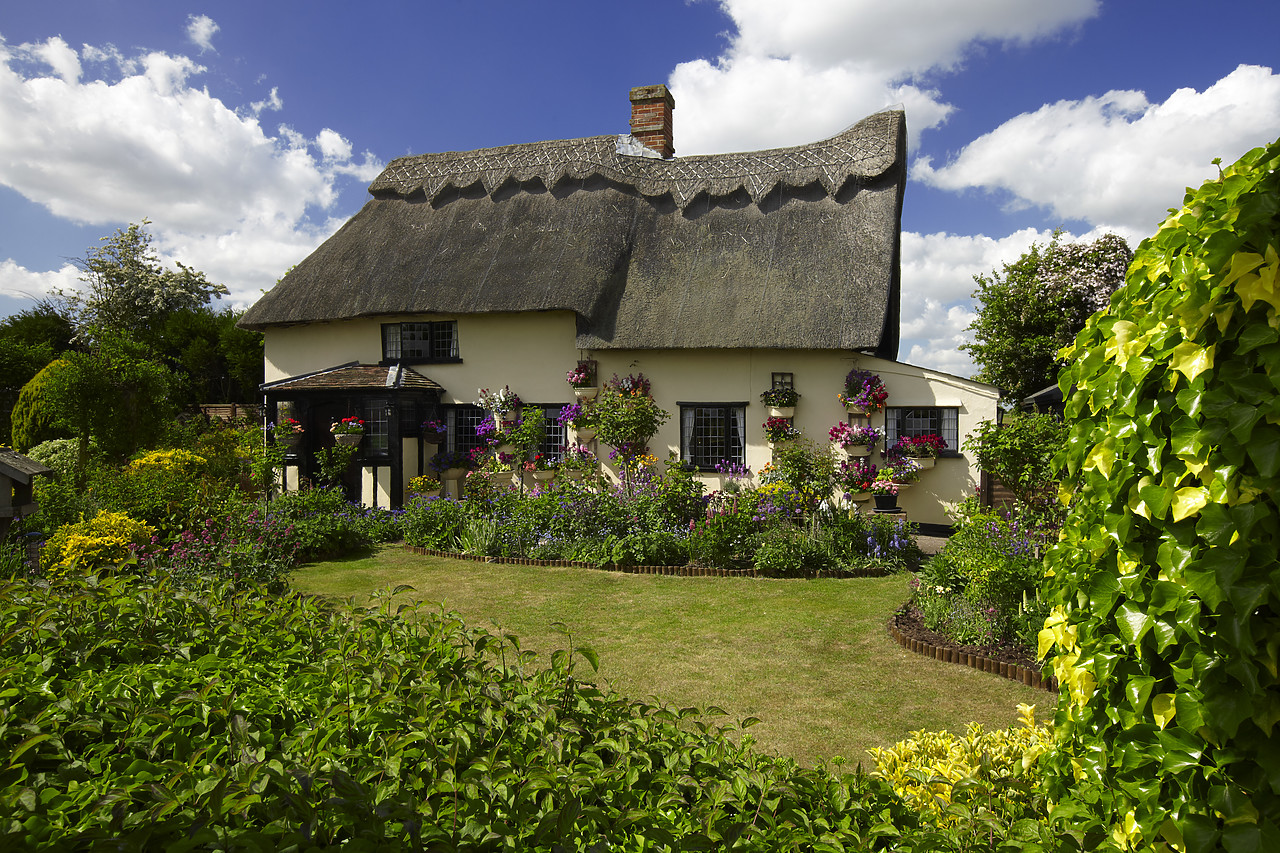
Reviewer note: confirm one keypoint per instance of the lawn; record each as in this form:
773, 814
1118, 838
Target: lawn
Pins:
811, 659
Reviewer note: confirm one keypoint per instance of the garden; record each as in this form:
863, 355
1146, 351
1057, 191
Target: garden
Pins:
165, 687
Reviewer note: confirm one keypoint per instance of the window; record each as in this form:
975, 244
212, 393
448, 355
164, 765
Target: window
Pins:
462, 421
783, 380
712, 433
553, 433
420, 342
900, 422
377, 415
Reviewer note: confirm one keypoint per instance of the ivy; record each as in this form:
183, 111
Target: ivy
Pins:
1165, 630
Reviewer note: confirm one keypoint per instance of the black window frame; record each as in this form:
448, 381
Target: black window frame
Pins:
688, 433
439, 339
944, 421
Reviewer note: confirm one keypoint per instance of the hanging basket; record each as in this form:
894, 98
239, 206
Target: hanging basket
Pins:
782, 411
348, 439
544, 475
924, 461
860, 497
855, 450
584, 434
586, 392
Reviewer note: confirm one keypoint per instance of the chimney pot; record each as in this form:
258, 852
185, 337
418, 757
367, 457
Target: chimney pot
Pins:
651, 108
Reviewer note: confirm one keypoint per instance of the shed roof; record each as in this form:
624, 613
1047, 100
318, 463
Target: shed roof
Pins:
792, 247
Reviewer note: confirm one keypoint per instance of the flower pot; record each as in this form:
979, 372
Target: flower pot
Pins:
782, 411
544, 475
428, 493
452, 473
584, 434
855, 409
924, 461
291, 440
586, 392
886, 503
348, 439
857, 449
505, 448
860, 497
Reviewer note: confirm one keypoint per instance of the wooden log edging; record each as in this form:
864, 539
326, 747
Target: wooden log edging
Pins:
1015, 672
673, 571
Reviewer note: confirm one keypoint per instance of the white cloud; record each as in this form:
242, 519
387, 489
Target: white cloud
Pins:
816, 66
153, 145
16, 280
1117, 159
200, 29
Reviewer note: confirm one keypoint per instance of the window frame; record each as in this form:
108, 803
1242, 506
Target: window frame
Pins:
688, 432
393, 342
947, 419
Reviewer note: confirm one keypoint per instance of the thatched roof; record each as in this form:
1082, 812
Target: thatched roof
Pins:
792, 247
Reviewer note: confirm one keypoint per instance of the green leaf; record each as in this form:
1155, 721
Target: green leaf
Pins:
1133, 622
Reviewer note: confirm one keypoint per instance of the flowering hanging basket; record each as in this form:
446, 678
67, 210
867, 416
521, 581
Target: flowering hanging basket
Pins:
348, 439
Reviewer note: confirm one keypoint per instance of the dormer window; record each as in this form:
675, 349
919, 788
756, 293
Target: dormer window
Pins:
420, 343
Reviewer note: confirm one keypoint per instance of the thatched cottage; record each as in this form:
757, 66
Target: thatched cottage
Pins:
717, 276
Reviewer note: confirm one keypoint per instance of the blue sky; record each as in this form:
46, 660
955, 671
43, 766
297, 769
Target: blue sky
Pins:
247, 132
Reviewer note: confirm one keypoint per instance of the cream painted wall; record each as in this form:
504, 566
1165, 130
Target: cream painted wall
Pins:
531, 353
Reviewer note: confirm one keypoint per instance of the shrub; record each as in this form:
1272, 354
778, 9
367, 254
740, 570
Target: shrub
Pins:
243, 546
324, 524
433, 522
789, 552
96, 545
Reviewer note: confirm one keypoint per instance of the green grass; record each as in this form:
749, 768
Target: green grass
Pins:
812, 659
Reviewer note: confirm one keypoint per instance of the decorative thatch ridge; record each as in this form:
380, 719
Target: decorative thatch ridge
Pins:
863, 151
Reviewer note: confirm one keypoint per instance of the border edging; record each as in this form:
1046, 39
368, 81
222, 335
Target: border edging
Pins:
673, 571
1014, 672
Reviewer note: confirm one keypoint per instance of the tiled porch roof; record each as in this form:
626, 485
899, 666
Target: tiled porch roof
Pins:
354, 376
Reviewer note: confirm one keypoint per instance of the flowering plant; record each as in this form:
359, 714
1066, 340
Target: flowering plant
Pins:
856, 475
540, 462
424, 483
850, 436
884, 486
347, 426
630, 385
287, 427
581, 376
864, 389
780, 429
919, 446
576, 415
780, 397
446, 459
578, 458
902, 469
434, 429
501, 402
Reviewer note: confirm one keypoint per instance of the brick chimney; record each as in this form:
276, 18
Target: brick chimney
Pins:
651, 108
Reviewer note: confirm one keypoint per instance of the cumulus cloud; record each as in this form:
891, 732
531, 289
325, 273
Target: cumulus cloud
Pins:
938, 285
18, 281
201, 29
1117, 159
816, 66
151, 144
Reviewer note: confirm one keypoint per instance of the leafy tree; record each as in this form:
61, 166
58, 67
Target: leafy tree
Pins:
117, 396
35, 415
1019, 453
29, 340
1035, 307
626, 417
129, 290
1166, 600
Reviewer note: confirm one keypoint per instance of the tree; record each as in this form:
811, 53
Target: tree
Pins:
626, 417
29, 340
1037, 305
1019, 453
1165, 618
129, 290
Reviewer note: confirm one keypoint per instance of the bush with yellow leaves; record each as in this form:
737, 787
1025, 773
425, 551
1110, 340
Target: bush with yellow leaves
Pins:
931, 771
86, 547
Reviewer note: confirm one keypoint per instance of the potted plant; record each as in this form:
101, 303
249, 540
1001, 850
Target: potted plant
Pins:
781, 402
425, 485
583, 380
577, 461
924, 449
541, 466
885, 492
451, 464
347, 431
498, 403
288, 432
864, 392
903, 470
779, 430
435, 432
855, 440
580, 417
856, 477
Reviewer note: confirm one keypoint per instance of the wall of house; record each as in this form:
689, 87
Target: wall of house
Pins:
531, 353
739, 376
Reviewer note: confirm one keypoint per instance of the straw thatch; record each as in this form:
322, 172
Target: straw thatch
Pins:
793, 247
